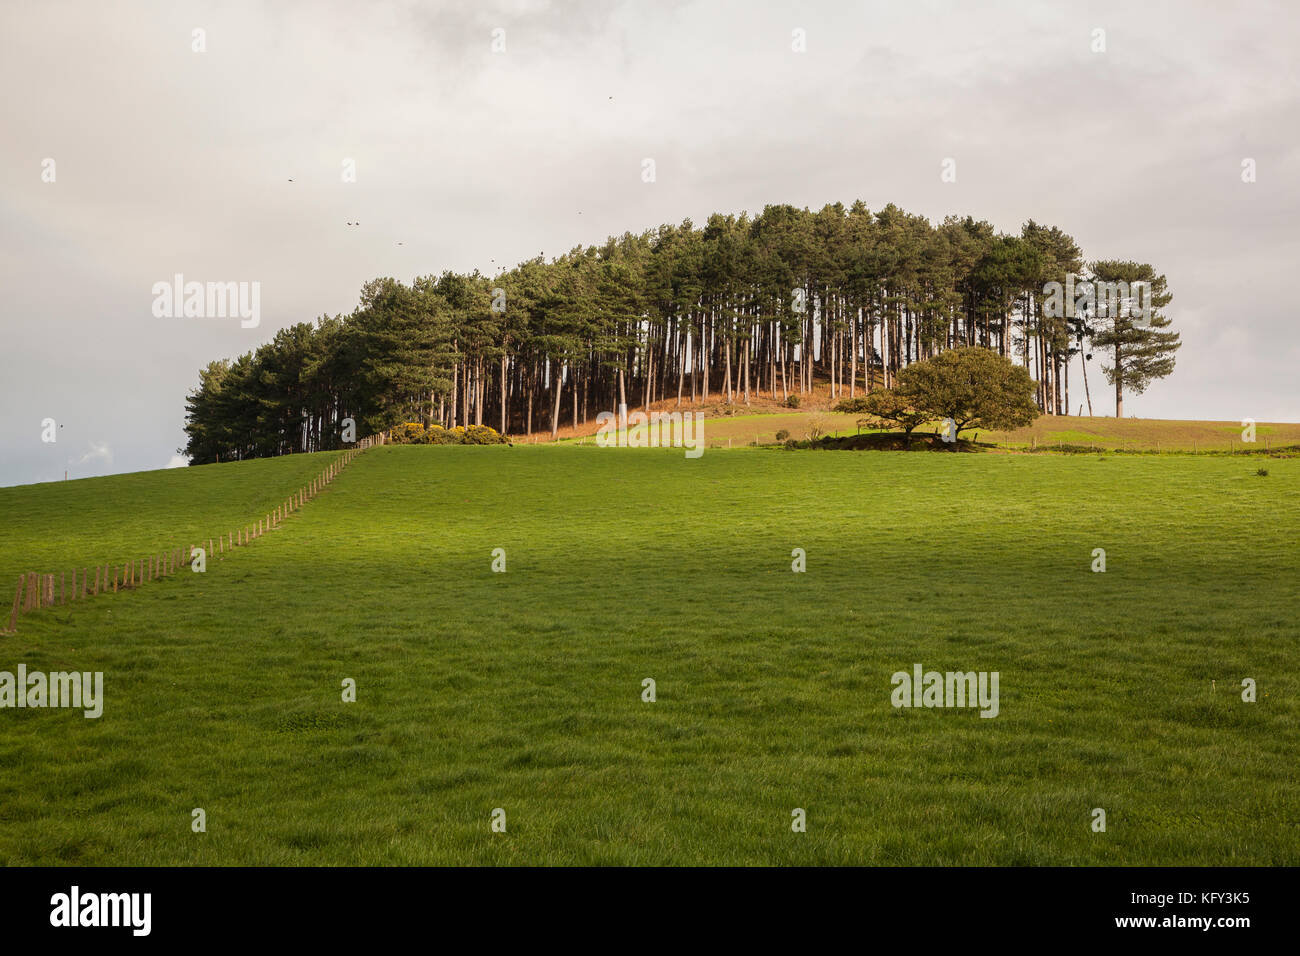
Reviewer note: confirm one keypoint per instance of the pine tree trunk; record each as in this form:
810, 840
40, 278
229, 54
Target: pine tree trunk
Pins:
558, 374
854, 322
1086, 394
728, 376
528, 424
505, 393
1119, 384
455, 391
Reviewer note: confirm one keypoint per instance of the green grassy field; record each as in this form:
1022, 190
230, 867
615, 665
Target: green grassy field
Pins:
478, 690
723, 428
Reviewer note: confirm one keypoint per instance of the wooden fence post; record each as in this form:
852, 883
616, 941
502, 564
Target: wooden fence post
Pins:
13, 615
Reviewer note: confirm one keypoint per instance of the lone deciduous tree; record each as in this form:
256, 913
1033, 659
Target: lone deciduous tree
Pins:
975, 387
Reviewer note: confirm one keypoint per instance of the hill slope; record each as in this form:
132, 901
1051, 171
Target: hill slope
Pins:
737, 425
523, 690
61, 525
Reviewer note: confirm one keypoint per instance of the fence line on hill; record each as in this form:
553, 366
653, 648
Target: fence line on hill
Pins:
36, 590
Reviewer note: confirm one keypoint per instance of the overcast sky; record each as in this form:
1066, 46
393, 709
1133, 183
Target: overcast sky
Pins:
168, 160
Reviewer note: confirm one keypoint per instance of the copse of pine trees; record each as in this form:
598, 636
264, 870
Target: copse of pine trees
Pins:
739, 308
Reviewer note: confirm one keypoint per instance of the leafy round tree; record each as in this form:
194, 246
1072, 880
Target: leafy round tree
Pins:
975, 387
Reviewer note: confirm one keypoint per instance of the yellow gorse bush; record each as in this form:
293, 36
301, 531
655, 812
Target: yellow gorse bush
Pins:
416, 433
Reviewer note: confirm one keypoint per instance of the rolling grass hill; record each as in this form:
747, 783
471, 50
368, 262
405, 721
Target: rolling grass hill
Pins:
757, 423
523, 690
724, 429
61, 525
1148, 434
